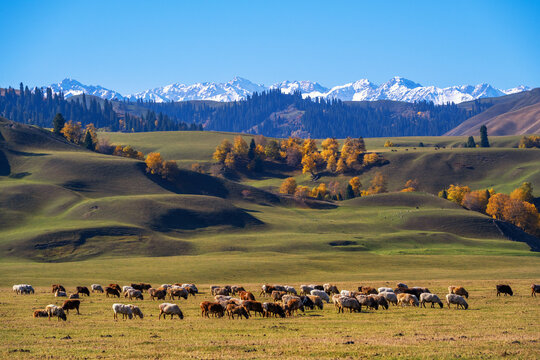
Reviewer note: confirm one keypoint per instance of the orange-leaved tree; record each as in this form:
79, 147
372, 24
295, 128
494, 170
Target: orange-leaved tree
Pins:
288, 186
355, 185
154, 163
523, 193
456, 193
410, 186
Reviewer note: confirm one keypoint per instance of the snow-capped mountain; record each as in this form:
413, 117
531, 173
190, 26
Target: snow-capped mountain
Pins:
396, 89
71, 87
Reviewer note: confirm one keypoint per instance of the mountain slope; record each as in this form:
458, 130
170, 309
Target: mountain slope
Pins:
397, 89
514, 114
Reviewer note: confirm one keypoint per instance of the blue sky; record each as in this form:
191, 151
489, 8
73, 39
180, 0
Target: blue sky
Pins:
134, 45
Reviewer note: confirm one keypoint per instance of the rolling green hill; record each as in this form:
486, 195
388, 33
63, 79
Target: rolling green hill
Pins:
63, 203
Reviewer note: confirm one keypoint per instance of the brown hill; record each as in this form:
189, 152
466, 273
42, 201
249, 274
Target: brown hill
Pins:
515, 114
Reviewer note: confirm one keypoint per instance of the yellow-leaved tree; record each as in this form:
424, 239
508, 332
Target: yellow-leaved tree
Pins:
456, 193
288, 186
240, 147
476, 200
154, 163
72, 131
523, 193
410, 186
355, 185
222, 150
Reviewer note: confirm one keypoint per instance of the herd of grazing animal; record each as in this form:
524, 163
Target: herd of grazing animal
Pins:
286, 301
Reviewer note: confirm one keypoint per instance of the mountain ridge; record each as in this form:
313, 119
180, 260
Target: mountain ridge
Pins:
396, 89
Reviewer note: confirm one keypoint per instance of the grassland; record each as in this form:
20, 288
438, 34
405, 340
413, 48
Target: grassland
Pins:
491, 328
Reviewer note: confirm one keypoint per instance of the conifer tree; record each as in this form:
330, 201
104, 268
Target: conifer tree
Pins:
58, 123
484, 142
470, 142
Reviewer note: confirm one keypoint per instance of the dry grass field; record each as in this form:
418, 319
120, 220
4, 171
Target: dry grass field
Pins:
492, 327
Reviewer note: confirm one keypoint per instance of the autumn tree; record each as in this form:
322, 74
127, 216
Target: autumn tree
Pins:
58, 123
341, 166
410, 186
230, 161
222, 150
320, 191
523, 193
309, 147
476, 200
288, 186
529, 142
456, 193
370, 159
330, 149
308, 164
169, 169
154, 163
496, 204
377, 185
240, 147
388, 143
90, 137
271, 150
293, 157
355, 185
331, 164
301, 192
72, 131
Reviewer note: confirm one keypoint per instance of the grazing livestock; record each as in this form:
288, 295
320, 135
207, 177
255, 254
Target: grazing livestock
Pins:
317, 287
126, 288
71, 305
170, 309
316, 300
59, 293
191, 288
222, 291
407, 299
368, 301
125, 310
349, 293
239, 311
136, 311
97, 288
306, 301
391, 297
56, 287
306, 289
165, 286
321, 294
279, 288
458, 300
110, 291
293, 305
74, 296
430, 298
157, 294
40, 313
83, 290
535, 289
285, 299
277, 295
216, 309
330, 289
236, 289
385, 289
246, 295
53, 310
367, 290
290, 290
254, 306
266, 290
401, 285
345, 302
134, 294
504, 289
274, 309
205, 305
381, 301
459, 290
23, 289
178, 292
116, 286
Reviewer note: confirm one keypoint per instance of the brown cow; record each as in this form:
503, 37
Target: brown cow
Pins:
112, 292
71, 305
246, 295
254, 306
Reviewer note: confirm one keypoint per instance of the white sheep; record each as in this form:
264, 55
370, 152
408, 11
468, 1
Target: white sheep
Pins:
391, 297
385, 289
126, 288
458, 300
321, 294
192, 287
430, 298
136, 311
125, 310
23, 289
345, 302
290, 290
170, 309
97, 288
407, 299
53, 310
285, 299
166, 286
347, 293
132, 293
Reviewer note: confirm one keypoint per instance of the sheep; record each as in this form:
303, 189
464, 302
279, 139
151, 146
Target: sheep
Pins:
165, 286
97, 288
240, 311
136, 311
335, 299
71, 305
266, 290
40, 313
430, 298
221, 291
254, 306
385, 289
321, 294
290, 290
391, 297
59, 293
459, 290
306, 301
279, 288
178, 292
349, 293
112, 292
246, 295
74, 296
125, 310
126, 288
345, 302
157, 294
401, 285
217, 309
23, 289
504, 289
205, 305
407, 299
285, 299
170, 309
56, 287
277, 295
368, 301
306, 289
293, 305
317, 287
236, 289
535, 289
381, 301
134, 294
53, 310
458, 300
330, 289
116, 286
271, 308
192, 287
83, 290
367, 290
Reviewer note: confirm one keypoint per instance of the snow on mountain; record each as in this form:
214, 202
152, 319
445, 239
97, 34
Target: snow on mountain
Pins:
71, 87
396, 89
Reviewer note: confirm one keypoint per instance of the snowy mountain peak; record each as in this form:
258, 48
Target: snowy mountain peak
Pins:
397, 89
